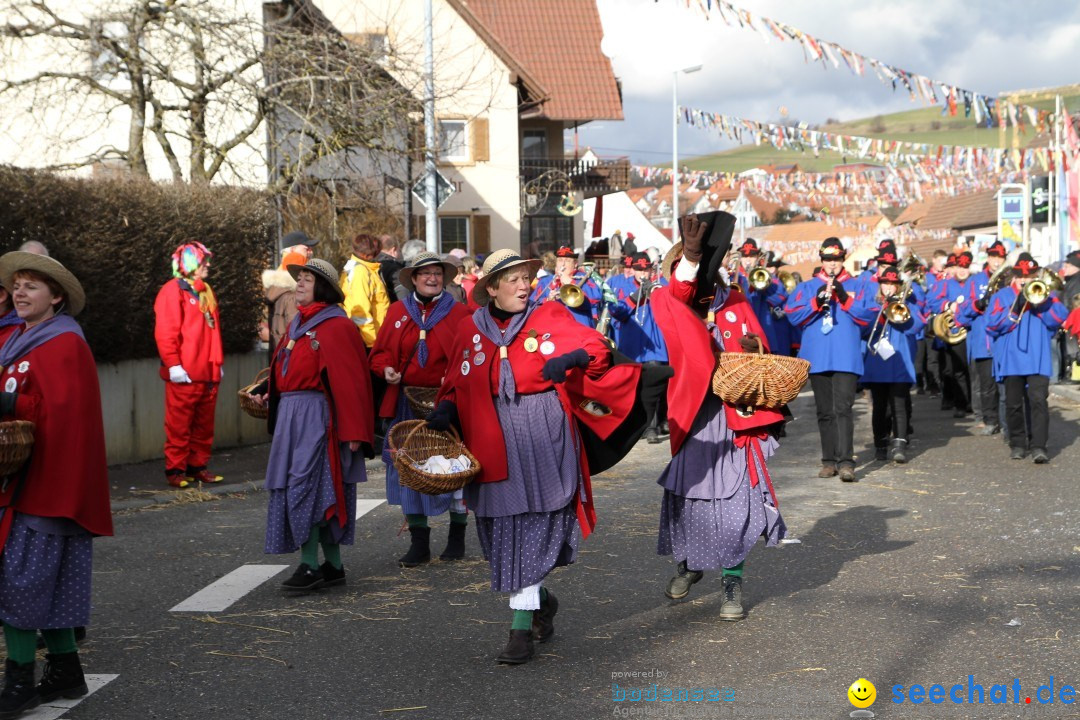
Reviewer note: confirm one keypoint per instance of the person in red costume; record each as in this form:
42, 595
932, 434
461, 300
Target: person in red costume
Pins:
321, 418
413, 349
526, 385
188, 335
54, 507
718, 497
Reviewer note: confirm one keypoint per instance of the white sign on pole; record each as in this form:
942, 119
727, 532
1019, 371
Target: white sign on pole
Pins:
443, 190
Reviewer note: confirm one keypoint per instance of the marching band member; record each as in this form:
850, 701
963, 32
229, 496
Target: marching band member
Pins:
832, 316
930, 348
951, 296
972, 316
889, 367
718, 497
567, 273
412, 349
639, 338
522, 379
1024, 330
886, 255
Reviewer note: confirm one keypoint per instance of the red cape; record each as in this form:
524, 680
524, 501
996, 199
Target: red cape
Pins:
472, 391
67, 476
691, 355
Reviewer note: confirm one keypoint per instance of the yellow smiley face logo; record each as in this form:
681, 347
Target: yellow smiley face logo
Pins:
862, 693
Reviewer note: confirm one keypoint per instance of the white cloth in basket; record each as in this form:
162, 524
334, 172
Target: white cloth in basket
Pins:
441, 465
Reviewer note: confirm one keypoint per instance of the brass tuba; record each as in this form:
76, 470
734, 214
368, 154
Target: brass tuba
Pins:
945, 328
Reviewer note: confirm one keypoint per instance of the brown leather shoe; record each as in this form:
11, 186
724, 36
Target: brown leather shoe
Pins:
519, 649
847, 473
827, 470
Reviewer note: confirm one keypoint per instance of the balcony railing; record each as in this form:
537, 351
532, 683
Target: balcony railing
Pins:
592, 177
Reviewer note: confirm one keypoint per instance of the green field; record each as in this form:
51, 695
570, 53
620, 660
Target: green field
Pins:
922, 125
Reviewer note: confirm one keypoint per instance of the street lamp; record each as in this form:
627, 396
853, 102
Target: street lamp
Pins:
675, 148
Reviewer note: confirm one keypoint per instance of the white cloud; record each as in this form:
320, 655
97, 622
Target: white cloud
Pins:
983, 46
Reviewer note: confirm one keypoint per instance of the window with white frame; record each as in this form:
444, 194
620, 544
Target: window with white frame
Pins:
453, 234
453, 141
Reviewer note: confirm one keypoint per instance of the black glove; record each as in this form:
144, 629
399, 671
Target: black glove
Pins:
1018, 303
260, 389
822, 296
7, 403
443, 416
692, 231
981, 303
555, 368
841, 293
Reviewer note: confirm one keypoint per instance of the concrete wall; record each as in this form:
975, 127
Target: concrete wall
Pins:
133, 405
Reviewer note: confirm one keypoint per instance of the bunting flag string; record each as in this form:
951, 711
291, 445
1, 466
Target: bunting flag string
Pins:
982, 108
950, 158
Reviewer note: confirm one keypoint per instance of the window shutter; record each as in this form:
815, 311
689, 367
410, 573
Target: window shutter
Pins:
480, 150
481, 234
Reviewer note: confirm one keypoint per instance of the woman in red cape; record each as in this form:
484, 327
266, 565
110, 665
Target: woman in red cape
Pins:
524, 380
718, 497
319, 392
413, 349
59, 501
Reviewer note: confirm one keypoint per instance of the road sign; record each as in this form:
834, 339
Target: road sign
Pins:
443, 190
1011, 207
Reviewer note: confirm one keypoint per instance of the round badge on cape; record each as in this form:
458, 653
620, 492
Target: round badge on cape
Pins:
397, 324
547, 347
24, 366
730, 316
476, 338
465, 368
531, 344
10, 385
479, 359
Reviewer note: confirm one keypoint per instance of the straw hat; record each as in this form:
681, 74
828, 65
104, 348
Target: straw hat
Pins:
496, 262
425, 259
13, 262
320, 269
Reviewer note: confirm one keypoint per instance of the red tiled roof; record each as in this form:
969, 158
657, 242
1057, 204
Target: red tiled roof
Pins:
961, 212
913, 213
558, 42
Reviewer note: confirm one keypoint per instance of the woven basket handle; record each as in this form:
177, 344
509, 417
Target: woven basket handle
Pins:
423, 423
760, 346
262, 375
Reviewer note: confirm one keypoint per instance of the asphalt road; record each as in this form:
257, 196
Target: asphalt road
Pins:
960, 563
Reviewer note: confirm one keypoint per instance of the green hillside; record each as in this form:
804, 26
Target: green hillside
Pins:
922, 125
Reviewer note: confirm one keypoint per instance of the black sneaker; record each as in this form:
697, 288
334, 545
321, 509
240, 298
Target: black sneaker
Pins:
1039, 456
304, 579
332, 576
652, 436
1017, 453
881, 454
679, 586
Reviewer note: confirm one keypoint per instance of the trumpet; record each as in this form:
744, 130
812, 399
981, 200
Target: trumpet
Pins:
1038, 290
572, 295
759, 278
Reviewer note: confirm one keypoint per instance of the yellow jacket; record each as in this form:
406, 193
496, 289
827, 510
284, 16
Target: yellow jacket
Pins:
366, 301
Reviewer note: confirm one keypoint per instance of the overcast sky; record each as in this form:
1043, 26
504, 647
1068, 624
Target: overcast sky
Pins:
987, 47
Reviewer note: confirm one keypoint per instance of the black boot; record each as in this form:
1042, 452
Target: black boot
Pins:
519, 649
63, 677
881, 451
19, 693
305, 578
898, 451
679, 586
332, 576
455, 542
420, 550
543, 626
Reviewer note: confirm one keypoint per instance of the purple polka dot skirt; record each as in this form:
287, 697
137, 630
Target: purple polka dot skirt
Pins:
523, 549
45, 578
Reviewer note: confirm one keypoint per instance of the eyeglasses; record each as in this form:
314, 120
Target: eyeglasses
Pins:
429, 273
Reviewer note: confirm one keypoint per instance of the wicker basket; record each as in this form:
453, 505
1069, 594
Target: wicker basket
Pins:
412, 442
421, 400
16, 442
757, 379
252, 408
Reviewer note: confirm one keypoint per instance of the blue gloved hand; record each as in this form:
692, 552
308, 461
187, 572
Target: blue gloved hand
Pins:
555, 369
443, 416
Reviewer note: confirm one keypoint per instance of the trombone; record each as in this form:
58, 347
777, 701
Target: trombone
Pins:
895, 312
1038, 290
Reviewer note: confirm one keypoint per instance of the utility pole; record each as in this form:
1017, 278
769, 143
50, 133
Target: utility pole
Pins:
430, 192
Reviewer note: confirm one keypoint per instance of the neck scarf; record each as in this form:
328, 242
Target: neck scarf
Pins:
304, 322
23, 341
440, 308
207, 300
485, 323
722, 292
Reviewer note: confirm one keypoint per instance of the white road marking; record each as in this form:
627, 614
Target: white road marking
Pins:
56, 708
223, 592
364, 506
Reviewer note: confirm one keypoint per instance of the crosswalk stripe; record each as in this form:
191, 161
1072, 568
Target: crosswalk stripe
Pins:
56, 708
224, 591
364, 506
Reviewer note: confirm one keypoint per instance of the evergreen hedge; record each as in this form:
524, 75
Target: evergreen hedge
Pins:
117, 236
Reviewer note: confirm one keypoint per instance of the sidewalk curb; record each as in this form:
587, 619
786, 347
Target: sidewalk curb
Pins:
166, 497
1071, 393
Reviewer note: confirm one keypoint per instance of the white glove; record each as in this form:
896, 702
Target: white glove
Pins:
178, 374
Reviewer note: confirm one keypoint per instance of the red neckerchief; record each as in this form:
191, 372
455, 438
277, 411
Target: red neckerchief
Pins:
306, 312
839, 278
